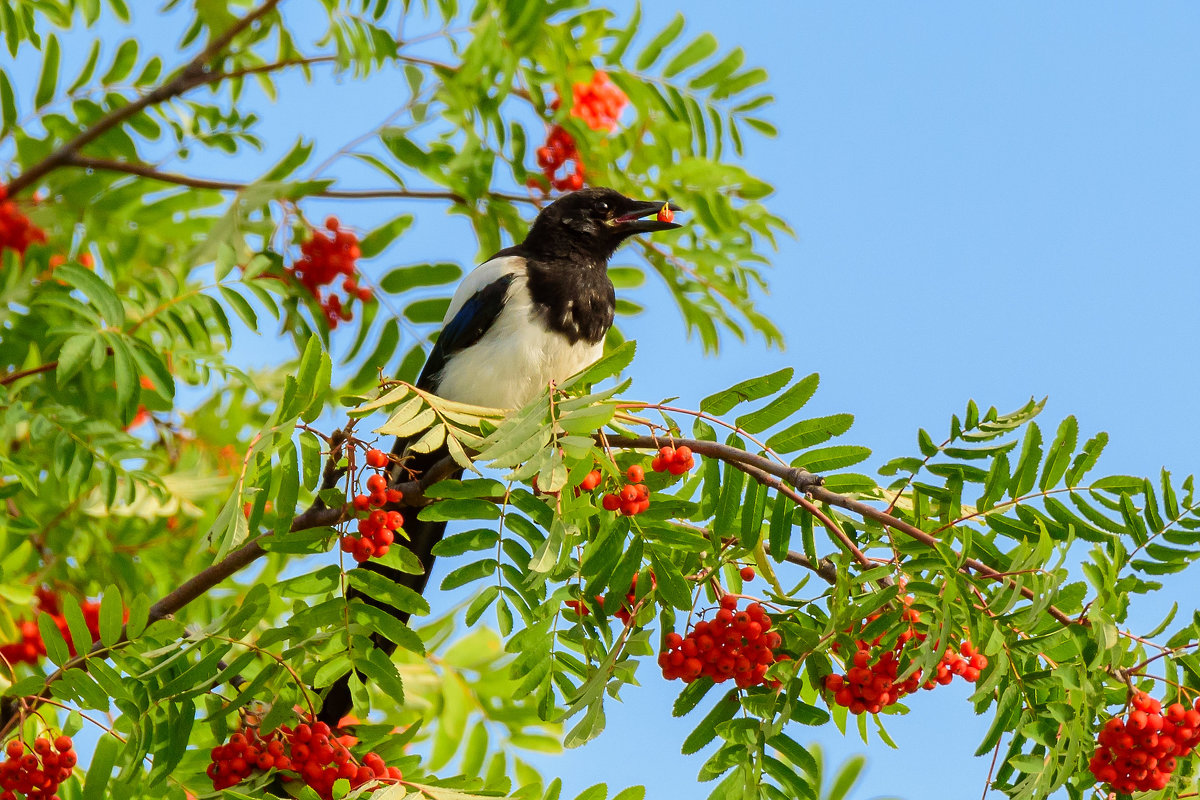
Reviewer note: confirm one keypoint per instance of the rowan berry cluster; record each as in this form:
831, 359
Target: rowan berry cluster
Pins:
559, 148
377, 529
633, 498
598, 103
675, 460
310, 751
323, 258
1138, 753
16, 231
31, 647
735, 644
589, 482
37, 772
870, 684
625, 612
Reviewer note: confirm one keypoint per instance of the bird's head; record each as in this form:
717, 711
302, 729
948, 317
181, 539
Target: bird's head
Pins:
593, 222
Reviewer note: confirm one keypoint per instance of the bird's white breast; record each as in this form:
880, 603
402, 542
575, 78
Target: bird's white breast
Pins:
511, 363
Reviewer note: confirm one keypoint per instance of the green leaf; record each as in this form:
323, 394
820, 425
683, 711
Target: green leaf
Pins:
379, 588
52, 638
718, 72
753, 389
81, 636
104, 757
659, 43
809, 432
380, 621
1027, 464
122, 64
112, 616
459, 508
1059, 455
474, 571
401, 279
691, 695
697, 50
48, 79
96, 290
781, 407
671, 585
377, 240
8, 103
89, 66
706, 731
71, 358
824, 459
429, 310
844, 781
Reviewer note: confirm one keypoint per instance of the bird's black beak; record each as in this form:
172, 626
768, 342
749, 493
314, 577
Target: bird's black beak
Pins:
635, 220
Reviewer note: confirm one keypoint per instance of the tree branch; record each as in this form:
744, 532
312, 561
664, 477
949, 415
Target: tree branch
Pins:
151, 172
194, 74
870, 512
799, 478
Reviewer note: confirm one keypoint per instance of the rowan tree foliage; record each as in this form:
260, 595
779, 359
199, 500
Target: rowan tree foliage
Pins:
171, 566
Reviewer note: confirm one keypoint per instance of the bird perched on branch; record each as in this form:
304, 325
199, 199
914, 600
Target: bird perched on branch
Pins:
533, 313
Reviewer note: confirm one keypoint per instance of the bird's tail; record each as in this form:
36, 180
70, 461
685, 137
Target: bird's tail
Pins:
422, 536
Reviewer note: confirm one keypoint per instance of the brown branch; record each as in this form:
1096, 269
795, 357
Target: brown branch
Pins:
25, 373
826, 570
195, 73
13, 377
870, 512
151, 172
799, 478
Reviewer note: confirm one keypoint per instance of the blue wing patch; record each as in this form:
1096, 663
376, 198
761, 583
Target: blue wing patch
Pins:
466, 328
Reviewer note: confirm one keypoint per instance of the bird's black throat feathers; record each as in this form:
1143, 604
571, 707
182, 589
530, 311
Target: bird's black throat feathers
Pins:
573, 297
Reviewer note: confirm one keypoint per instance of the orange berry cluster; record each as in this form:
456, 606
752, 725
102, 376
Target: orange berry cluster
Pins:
869, 685
735, 644
590, 481
311, 751
37, 773
633, 498
1139, 752
324, 257
599, 103
556, 152
16, 231
625, 612
675, 460
31, 647
377, 530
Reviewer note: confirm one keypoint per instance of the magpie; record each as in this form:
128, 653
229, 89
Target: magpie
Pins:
531, 314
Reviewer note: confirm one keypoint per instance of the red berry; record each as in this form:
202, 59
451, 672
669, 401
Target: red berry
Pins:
636, 474
377, 459
332, 223
747, 573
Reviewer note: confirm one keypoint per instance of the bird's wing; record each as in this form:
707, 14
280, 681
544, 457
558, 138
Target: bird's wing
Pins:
474, 308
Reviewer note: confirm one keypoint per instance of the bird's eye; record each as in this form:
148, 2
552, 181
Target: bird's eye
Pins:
602, 207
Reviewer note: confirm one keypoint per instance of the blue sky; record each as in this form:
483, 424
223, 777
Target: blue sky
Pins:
992, 201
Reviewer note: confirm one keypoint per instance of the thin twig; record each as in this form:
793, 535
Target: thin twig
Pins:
151, 172
870, 512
